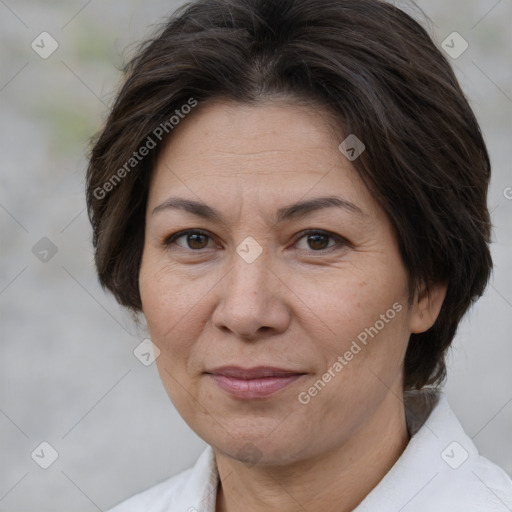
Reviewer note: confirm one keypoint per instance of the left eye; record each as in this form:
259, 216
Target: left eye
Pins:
319, 240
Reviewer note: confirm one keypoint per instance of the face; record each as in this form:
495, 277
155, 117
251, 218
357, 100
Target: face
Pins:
280, 327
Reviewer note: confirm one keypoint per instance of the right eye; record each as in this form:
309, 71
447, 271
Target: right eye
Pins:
195, 240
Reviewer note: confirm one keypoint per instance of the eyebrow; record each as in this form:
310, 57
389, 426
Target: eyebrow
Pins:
292, 211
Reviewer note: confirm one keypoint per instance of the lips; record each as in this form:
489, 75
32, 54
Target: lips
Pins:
252, 383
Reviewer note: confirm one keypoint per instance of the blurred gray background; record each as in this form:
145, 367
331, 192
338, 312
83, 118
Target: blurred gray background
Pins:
68, 373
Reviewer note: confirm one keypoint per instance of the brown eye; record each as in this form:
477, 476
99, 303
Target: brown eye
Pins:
317, 241
195, 240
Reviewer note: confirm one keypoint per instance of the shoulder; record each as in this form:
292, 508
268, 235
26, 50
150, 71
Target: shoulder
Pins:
183, 491
471, 481
459, 476
440, 469
476, 486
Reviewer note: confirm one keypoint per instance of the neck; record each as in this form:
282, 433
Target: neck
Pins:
336, 481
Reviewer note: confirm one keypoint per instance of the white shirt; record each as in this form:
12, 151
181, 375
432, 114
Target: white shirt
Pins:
439, 471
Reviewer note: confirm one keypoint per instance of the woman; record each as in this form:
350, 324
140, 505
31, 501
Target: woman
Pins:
293, 194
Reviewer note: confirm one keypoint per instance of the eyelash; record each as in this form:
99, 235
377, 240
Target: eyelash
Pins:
340, 241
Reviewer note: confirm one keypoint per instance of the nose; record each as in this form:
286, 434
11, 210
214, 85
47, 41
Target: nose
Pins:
252, 301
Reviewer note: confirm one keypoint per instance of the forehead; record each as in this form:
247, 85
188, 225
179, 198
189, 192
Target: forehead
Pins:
273, 151
269, 124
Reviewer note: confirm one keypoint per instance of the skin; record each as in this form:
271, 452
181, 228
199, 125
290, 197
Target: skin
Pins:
299, 306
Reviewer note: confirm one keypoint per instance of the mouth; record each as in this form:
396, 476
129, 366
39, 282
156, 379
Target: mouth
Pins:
253, 383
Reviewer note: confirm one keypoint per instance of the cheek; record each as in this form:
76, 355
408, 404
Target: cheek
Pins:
366, 315
350, 305
159, 305
174, 307
166, 296
363, 363
169, 315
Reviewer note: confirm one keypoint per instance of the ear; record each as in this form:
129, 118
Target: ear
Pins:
426, 307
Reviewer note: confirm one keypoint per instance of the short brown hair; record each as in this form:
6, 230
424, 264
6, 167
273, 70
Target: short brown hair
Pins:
368, 63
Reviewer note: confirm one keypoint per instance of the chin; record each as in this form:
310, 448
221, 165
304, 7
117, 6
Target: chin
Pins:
253, 449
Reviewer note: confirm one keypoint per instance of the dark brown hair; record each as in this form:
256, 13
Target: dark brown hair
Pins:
369, 64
